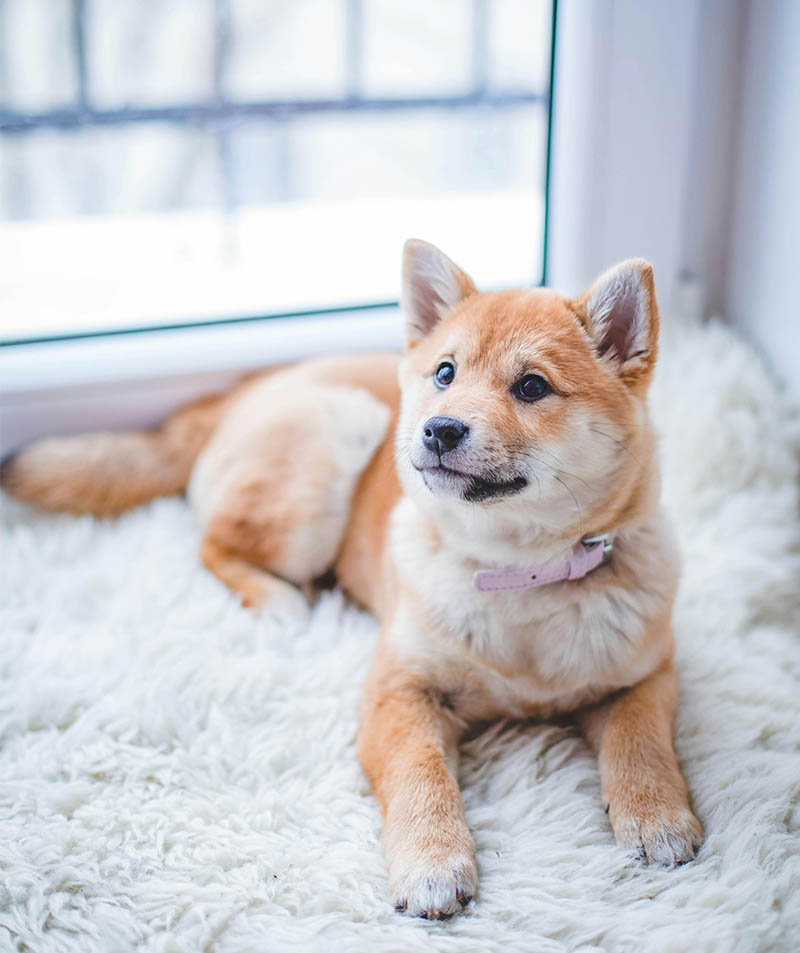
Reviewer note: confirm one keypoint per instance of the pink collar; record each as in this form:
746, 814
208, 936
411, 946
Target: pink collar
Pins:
588, 554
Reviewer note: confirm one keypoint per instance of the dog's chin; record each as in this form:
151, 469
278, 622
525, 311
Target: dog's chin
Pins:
471, 487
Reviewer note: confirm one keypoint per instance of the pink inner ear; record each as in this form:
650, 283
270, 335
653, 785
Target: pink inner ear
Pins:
432, 285
620, 327
426, 303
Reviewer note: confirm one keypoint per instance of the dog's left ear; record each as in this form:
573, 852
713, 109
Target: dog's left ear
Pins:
621, 316
432, 286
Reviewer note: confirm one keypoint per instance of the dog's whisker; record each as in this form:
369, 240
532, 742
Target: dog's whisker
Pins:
574, 499
619, 443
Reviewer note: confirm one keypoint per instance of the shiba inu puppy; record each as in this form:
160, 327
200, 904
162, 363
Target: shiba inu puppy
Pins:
492, 496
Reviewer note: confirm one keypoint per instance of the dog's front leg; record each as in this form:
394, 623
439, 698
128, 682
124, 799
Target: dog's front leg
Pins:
643, 788
408, 747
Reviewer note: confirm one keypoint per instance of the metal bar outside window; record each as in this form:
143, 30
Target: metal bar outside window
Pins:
221, 109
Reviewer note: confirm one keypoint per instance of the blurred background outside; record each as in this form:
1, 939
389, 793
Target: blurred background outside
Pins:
165, 161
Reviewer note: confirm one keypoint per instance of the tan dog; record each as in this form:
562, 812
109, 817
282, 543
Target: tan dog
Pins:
447, 506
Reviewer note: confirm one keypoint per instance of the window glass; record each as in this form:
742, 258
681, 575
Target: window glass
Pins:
169, 161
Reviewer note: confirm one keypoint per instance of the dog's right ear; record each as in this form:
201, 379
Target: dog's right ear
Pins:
432, 286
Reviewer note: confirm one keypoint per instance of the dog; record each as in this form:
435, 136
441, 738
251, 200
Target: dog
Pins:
492, 496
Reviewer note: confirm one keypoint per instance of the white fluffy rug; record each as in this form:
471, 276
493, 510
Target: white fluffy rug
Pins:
176, 774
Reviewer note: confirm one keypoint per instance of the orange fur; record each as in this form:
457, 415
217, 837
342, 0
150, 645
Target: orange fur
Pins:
319, 466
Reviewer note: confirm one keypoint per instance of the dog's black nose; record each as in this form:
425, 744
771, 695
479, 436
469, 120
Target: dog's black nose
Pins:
441, 434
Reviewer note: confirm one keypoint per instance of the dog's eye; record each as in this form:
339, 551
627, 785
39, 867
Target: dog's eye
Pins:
444, 375
532, 387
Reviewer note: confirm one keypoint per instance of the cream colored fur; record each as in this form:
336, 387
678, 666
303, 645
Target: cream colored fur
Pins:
566, 648
333, 434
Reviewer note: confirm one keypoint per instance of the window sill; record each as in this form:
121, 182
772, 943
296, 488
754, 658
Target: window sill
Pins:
134, 380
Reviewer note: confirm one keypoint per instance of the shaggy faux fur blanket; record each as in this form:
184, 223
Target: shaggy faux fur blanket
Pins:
178, 774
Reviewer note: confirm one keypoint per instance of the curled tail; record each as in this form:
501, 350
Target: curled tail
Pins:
107, 473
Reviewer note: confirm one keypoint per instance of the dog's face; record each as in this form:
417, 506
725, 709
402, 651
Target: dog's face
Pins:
522, 396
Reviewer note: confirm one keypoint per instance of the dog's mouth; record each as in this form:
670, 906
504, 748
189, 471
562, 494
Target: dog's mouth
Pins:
471, 486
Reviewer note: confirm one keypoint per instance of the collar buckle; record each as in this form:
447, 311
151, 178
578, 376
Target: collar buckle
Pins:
600, 538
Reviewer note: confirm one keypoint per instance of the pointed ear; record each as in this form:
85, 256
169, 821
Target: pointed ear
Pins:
432, 286
621, 316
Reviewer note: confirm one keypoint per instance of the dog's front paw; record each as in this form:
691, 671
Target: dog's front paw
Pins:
434, 888
659, 833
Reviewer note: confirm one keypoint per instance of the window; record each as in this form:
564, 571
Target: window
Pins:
173, 162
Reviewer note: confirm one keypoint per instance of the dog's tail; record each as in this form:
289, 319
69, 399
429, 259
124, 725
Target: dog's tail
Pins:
107, 473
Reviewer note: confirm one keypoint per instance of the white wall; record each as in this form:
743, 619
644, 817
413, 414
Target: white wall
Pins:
625, 95
677, 138
763, 268
707, 210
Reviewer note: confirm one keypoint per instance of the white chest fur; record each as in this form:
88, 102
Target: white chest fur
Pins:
539, 649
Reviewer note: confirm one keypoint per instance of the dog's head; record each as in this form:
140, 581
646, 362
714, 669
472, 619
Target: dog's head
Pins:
524, 396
